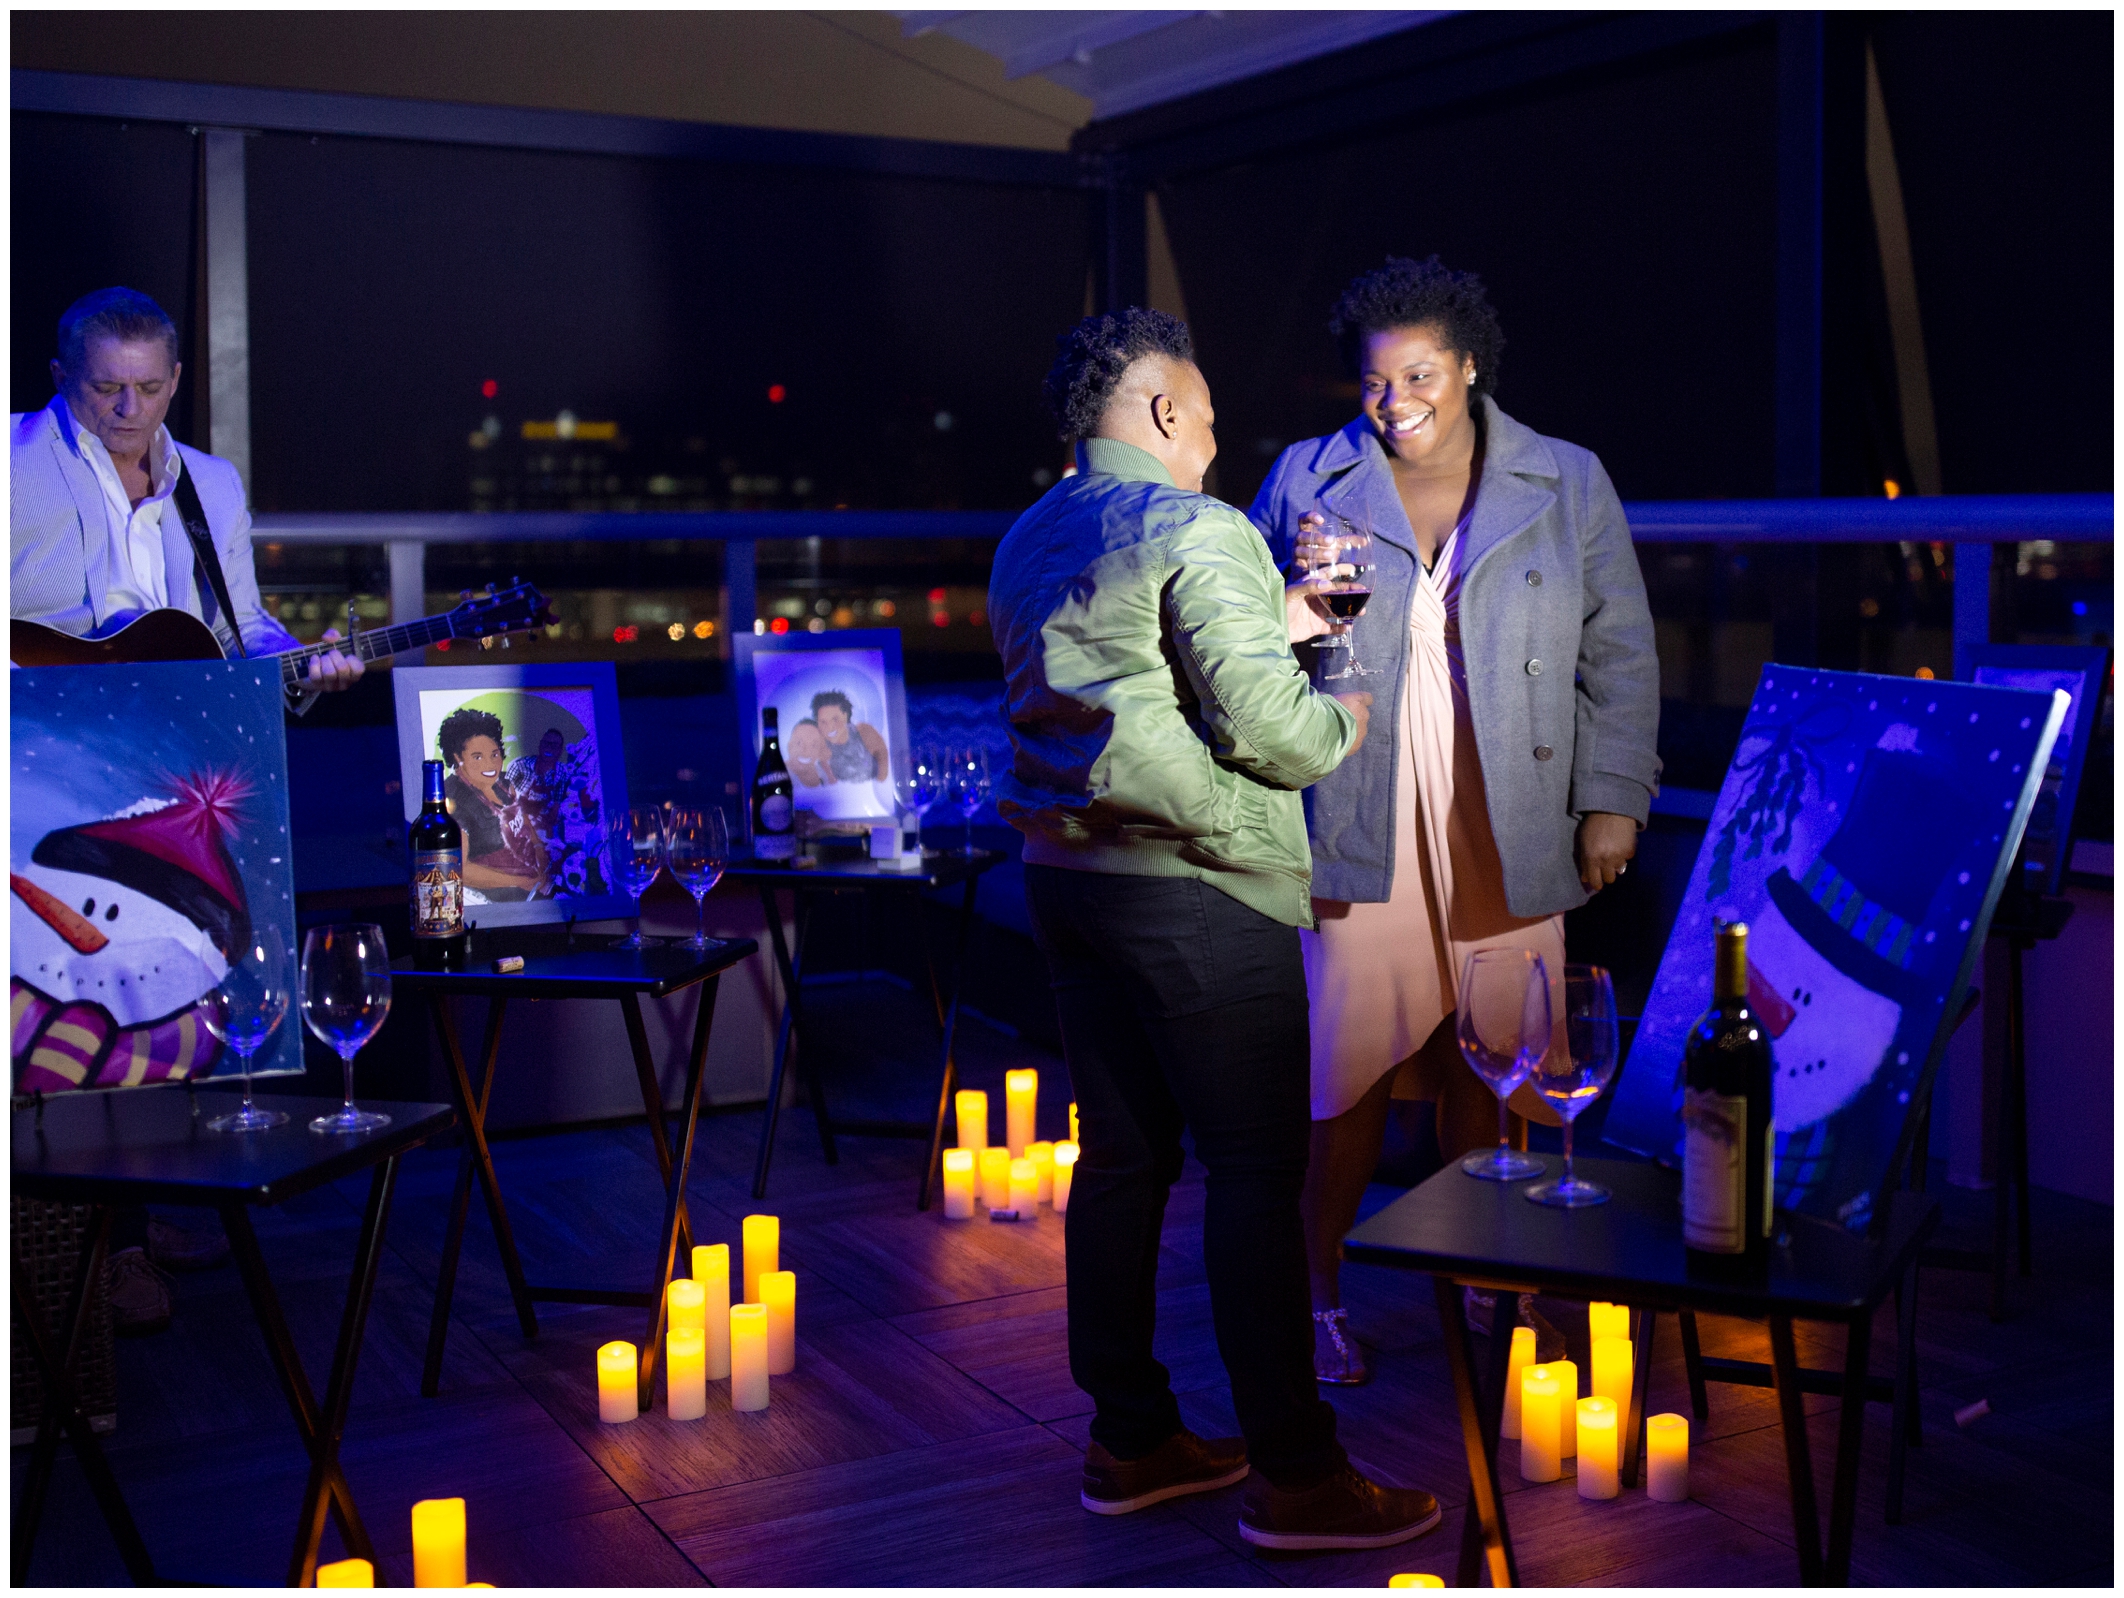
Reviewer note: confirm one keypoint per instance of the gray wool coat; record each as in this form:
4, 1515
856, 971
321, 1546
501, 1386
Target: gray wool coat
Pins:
1563, 677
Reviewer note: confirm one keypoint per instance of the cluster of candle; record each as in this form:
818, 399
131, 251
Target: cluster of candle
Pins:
1553, 1423
1020, 1175
438, 1551
709, 1338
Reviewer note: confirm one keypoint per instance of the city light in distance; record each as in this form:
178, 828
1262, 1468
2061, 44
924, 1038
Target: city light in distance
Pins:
704, 629
776, 393
626, 635
780, 624
490, 388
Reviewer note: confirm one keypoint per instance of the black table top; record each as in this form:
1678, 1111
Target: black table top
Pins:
939, 870
1630, 1248
586, 967
145, 1145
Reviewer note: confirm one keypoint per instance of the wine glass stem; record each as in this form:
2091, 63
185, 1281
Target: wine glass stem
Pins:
346, 1061
700, 916
243, 1062
1568, 1179
1504, 1128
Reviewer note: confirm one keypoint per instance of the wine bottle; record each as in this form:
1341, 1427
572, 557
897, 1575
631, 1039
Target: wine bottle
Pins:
1728, 1141
438, 878
773, 796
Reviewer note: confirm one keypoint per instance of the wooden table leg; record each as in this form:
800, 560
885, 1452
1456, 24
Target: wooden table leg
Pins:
675, 1189
474, 1114
339, 1390
1693, 1363
1479, 1434
1799, 1464
63, 1412
789, 1034
653, 1105
287, 1365
1903, 1429
950, 1019
2016, 1094
472, 1109
1633, 1438
1850, 1435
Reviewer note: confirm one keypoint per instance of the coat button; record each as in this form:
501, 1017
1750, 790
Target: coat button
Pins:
1533, 579
1543, 752
1533, 668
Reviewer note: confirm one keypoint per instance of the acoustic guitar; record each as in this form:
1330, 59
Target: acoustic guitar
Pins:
178, 635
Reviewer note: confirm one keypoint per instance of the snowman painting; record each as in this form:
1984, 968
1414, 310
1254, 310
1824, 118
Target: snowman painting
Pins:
117, 929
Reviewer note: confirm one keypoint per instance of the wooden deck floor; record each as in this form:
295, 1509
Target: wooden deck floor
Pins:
930, 1434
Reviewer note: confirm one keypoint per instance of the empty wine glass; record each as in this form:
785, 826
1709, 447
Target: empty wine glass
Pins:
922, 780
243, 1012
1503, 1028
1575, 1072
969, 787
637, 837
699, 848
1345, 597
346, 993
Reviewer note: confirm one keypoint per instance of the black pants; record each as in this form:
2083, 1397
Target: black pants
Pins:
1181, 1007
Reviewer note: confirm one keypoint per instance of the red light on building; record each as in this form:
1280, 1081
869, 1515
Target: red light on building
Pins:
940, 620
442, 643
780, 624
776, 393
490, 388
974, 618
936, 598
626, 635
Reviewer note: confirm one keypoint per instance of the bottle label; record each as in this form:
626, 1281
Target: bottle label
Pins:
775, 846
776, 812
438, 893
1714, 1171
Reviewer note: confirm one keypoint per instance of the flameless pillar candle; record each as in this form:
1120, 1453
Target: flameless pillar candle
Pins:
711, 1273
1667, 1458
1612, 1361
439, 1539
1021, 1096
1540, 1424
685, 1372
973, 1118
958, 1184
1418, 1580
1607, 1320
763, 1250
1073, 1124
1522, 1356
1065, 1173
618, 1391
778, 1293
1024, 1187
347, 1573
995, 1178
1599, 1454
748, 1356
685, 1304
1043, 1157
1567, 1378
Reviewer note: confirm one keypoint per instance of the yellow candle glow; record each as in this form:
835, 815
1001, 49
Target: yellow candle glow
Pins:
1417, 1580
1608, 1320
1043, 1157
685, 1304
1024, 1187
1540, 1424
618, 1387
1073, 1124
1613, 1358
778, 1293
1667, 1458
973, 1118
686, 1372
1567, 1378
711, 1273
995, 1178
958, 1184
1065, 1173
748, 1356
1599, 1451
439, 1538
1021, 1097
347, 1573
1522, 1356
763, 1251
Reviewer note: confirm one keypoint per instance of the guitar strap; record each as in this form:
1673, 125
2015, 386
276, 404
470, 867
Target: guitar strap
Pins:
193, 514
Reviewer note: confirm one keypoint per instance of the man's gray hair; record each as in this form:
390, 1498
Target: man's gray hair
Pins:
126, 315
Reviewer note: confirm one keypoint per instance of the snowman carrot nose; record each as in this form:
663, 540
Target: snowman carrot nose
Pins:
62, 919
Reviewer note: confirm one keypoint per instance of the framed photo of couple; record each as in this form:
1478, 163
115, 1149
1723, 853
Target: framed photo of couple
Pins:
534, 768
842, 704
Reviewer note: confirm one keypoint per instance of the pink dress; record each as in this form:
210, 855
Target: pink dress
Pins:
1382, 976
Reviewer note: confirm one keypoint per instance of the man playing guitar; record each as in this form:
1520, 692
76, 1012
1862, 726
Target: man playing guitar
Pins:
99, 501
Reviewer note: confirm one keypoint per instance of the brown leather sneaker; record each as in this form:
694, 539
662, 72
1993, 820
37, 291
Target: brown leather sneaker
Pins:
1345, 1511
1182, 1464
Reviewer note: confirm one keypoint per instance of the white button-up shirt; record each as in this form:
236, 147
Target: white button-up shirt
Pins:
139, 580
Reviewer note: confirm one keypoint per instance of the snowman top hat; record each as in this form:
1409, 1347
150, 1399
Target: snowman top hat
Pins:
1862, 904
176, 854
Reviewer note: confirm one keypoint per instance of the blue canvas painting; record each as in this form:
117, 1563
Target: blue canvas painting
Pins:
147, 838
1863, 833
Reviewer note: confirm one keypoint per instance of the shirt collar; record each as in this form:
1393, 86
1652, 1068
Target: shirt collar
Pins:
1116, 459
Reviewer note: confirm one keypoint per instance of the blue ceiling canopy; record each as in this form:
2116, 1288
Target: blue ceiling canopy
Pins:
1123, 61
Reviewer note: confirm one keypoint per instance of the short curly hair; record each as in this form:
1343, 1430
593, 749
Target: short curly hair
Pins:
1092, 357
1406, 293
460, 727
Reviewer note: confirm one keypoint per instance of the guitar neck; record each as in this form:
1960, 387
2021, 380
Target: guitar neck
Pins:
370, 645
